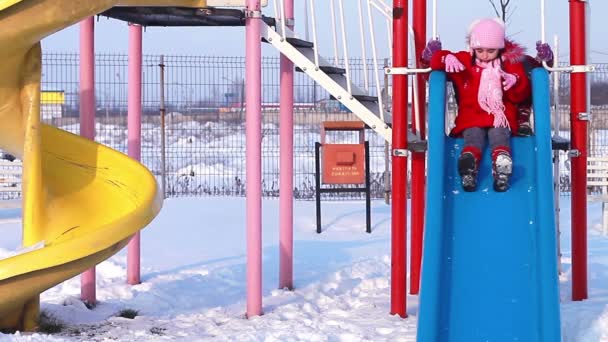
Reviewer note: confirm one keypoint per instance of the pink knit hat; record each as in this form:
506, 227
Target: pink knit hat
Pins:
487, 33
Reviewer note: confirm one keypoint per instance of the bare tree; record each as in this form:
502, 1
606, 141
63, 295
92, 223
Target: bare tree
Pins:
504, 12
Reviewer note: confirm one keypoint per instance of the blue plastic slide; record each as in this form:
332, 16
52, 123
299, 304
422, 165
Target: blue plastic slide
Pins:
490, 259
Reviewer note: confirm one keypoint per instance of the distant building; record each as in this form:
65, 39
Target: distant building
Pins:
52, 104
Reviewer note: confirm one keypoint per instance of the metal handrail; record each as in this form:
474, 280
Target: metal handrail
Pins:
344, 46
415, 84
315, 41
571, 68
386, 11
306, 33
276, 10
375, 59
283, 20
556, 75
363, 50
435, 35
333, 30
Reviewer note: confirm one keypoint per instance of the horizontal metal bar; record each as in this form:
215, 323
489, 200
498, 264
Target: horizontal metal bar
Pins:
10, 188
572, 69
405, 71
333, 190
400, 152
10, 171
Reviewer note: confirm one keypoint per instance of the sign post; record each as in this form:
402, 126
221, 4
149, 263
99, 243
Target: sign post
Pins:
343, 164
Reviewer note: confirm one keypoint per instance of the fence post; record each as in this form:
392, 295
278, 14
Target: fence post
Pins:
163, 171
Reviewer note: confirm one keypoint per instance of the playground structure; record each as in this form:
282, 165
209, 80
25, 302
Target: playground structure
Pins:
45, 162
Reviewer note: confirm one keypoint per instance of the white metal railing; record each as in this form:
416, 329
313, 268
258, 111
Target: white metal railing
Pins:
387, 12
414, 80
283, 17
572, 68
363, 49
556, 76
314, 32
306, 32
334, 32
435, 34
372, 33
345, 47
277, 13
341, 37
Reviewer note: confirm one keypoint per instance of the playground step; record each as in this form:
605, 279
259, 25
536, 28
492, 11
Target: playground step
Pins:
414, 143
297, 42
560, 143
362, 98
327, 69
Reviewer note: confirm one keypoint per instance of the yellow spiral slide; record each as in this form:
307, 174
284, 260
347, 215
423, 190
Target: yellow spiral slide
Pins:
81, 201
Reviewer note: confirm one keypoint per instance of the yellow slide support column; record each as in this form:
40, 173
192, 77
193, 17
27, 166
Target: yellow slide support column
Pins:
33, 191
21, 135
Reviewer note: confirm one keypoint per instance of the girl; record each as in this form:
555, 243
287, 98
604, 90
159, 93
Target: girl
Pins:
489, 88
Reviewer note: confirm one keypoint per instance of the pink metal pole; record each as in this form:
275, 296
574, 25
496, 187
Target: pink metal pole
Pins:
87, 123
253, 79
134, 137
286, 163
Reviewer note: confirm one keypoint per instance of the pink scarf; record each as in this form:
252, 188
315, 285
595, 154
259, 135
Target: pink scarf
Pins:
489, 95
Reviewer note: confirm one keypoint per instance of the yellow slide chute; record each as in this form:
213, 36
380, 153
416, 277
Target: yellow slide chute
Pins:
81, 201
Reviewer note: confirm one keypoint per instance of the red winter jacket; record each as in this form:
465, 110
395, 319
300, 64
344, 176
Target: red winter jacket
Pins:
466, 84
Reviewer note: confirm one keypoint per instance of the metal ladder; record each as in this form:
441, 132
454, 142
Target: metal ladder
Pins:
335, 79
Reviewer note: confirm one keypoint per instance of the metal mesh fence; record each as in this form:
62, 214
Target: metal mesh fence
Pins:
205, 120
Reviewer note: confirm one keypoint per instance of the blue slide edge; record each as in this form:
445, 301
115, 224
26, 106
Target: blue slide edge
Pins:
431, 320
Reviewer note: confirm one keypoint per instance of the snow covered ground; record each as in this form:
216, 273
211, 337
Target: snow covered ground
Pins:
193, 280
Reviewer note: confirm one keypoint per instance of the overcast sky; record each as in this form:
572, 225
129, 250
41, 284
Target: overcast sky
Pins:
453, 19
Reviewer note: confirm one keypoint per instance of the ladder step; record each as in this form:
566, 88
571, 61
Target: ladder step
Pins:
367, 98
417, 145
559, 143
300, 43
414, 144
361, 98
327, 69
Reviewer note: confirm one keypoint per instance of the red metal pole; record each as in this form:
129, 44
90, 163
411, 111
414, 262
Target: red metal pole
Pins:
418, 158
578, 105
399, 174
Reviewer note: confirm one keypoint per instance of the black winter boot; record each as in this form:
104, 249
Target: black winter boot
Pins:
524, 128
467, 169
